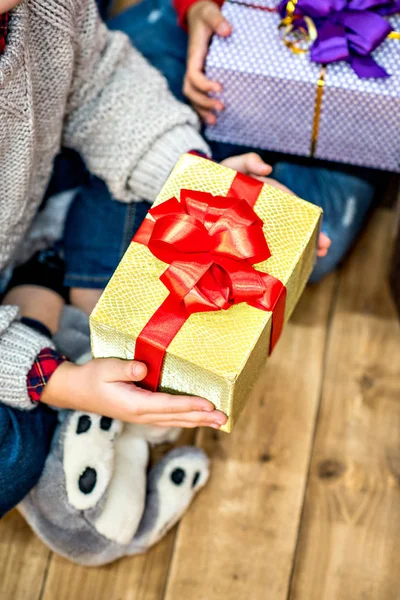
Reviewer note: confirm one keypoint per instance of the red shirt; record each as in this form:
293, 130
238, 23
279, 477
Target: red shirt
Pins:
3, 31
182, 6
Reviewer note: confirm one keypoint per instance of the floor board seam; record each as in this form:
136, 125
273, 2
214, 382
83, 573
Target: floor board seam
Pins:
331, 314
45, 575
167, 576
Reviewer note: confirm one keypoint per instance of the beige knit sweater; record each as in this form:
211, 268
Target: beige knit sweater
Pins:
66, 80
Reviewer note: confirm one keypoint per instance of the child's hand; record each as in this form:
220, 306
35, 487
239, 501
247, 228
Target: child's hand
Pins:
106, 386
324, 243
252, 164
204, 18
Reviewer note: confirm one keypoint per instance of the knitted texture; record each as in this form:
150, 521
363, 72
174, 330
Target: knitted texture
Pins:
19, 346
65, 79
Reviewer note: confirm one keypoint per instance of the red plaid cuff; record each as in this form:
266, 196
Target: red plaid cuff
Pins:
42, 369
3, 31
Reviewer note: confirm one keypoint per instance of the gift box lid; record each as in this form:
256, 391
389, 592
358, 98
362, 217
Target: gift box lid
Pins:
218, 342
255, 47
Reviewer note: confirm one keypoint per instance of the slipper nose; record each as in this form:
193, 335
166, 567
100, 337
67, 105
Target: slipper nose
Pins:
87, 481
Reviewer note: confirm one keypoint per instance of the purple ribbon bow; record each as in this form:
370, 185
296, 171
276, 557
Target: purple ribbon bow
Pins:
347, 30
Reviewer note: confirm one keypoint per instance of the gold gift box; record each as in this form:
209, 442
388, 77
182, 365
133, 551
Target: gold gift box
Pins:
216, 355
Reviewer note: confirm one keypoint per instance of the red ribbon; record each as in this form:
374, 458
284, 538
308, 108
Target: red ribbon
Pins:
210, 243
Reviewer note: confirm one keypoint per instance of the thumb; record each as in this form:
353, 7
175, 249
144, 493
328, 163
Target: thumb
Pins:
115, 369
215, 20
256, 166
249, 164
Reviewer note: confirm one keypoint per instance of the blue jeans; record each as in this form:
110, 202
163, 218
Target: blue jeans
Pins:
94, 246
25, 438
93, 251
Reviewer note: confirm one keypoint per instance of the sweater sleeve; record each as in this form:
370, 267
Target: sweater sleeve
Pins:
182, 6
19, 346
121, 116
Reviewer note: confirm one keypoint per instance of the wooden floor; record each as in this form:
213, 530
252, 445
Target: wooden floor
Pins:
304, 499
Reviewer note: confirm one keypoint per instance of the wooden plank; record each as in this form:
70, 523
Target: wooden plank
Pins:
395, 266
137, 578
348, 546
23, 560
239, 538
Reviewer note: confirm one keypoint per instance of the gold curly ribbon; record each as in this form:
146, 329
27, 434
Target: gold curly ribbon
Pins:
299, 40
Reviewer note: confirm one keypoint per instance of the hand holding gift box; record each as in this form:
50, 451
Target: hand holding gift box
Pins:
284, 89
206, 285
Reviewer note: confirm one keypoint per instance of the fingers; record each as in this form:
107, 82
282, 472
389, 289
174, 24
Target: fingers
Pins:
256, 166
114, 369
250, 164
324, 244
206, 116
188, 420
215, 20
186, 425
195, 80
168, 404
204, 19
203, 101
199, 41
276, 184
196, 88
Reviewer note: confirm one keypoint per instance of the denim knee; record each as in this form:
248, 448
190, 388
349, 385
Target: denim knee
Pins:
152, 26
25, 438
97, 232
345, 197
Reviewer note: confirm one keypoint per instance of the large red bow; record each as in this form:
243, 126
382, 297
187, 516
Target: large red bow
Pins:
210, 243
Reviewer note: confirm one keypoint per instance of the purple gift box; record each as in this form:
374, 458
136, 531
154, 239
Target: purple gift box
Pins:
281, 101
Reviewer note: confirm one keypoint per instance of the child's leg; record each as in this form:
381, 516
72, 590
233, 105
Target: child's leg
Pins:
345, 195
97, 233
37, 303
153, 28
25, 438
99, 229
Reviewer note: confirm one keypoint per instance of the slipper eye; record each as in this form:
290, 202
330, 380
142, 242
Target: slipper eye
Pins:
178, 476
84, 424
